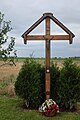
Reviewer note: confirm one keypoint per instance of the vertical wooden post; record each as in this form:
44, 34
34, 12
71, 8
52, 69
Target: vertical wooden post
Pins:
47, 66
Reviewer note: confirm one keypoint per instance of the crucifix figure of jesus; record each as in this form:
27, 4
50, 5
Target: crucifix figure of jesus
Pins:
48, 37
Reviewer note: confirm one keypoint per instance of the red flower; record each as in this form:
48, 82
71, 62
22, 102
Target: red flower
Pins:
57, 108
53, 105
49, 111
49, 107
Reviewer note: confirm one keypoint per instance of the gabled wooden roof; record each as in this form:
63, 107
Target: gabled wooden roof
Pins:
51, 17
69, 37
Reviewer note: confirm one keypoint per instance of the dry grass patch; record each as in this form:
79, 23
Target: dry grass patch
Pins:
8, 70
8, 76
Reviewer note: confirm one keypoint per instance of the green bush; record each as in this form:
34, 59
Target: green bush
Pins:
29, 83
65, 84
69, 85
55, 73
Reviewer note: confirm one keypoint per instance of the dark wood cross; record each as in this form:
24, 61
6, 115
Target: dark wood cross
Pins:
48, 37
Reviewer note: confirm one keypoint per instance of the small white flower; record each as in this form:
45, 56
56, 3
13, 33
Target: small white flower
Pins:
44, 107
57, 111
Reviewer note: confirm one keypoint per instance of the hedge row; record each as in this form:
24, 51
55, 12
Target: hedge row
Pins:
65, 84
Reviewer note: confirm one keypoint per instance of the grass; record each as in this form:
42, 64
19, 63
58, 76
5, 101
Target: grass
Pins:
10, 109
7, 86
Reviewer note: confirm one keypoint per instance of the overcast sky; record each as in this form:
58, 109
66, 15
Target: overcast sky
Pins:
23, 13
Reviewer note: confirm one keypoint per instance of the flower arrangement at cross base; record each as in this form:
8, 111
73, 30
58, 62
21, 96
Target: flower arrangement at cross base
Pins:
49, 108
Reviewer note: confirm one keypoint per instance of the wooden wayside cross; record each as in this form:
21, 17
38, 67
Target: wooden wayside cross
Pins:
48, 37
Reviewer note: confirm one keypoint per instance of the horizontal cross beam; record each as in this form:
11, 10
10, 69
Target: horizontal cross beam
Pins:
47, 37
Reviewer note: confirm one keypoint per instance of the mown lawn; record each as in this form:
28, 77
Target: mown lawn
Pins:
10, 110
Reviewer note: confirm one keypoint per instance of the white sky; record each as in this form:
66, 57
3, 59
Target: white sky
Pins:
23, 13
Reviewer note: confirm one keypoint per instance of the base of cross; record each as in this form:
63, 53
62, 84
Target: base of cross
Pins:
47, 95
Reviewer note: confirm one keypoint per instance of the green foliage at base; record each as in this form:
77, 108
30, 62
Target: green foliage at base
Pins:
69, 85
29, 83
55, 73
65, 84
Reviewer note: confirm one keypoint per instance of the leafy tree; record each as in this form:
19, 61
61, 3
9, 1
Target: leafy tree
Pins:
6, 43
